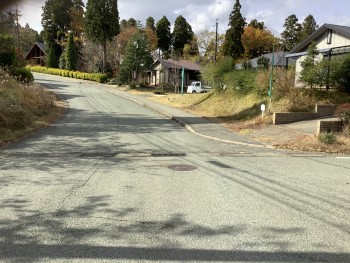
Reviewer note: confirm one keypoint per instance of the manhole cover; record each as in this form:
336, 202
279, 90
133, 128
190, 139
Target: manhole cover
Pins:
182, 167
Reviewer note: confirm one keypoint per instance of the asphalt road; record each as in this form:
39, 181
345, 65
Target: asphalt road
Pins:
113, 181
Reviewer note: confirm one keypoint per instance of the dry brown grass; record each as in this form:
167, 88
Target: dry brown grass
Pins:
311, 143
24, 108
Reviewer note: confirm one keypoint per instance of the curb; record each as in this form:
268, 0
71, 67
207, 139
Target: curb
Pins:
188, 126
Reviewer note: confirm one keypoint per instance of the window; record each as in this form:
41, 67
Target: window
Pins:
329, 36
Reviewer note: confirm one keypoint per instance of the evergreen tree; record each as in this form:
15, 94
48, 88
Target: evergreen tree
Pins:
308, 27
150, 23
233, 46
7, 22
256, 24
132, 22
182, 35
7, 50
309, 73
71, 54
191, 50
56, 20
164, 36
101, 23
123, 24
62, 61
137, 57
52, 61
291, 34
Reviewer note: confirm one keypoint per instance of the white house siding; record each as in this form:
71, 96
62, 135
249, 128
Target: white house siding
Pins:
338, 40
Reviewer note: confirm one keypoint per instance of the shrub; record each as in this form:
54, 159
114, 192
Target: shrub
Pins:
243, 81
98, 77
159, 92
343, 112
133, 85
344, 76
327, 138
22, 75
213, 74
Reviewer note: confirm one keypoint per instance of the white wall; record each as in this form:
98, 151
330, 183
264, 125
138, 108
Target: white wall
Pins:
338, 40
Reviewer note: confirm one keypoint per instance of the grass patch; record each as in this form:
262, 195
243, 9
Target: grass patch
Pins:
25, 108
313, 144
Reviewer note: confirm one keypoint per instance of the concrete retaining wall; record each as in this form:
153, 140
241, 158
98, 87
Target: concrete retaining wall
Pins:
289, 117
325, 110
328, 126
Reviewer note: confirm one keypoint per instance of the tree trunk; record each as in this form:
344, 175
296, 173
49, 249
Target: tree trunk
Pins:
104, 56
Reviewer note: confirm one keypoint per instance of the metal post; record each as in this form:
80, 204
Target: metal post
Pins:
271, 77
216, 40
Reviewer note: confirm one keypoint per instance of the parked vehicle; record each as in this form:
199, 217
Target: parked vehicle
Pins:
197, 87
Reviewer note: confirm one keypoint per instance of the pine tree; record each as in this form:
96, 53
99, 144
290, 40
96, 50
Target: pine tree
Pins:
308, 27
291, 34
182, 35
101, 23
71, 54
233, 46
164, 36
150, 23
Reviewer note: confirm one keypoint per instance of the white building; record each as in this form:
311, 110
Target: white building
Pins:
330, 40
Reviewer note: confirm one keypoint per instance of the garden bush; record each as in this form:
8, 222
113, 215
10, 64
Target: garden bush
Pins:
98, 77
22, 75
327, 137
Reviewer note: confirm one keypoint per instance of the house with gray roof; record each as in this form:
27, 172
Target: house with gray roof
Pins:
331, 40
168, 72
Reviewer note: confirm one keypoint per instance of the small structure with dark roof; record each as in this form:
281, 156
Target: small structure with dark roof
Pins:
168, 72
37, 54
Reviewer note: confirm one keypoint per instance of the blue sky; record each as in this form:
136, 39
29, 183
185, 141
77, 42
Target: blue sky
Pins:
201, 14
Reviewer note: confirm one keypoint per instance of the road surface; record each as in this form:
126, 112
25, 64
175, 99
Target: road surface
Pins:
113, 181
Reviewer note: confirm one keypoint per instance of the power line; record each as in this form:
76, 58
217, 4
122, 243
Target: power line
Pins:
30, 4
203, 26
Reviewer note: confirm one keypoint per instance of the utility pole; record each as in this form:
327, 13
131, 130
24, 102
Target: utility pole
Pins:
216, 40
17, 31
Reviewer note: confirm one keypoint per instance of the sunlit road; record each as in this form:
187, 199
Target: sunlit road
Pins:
112, 181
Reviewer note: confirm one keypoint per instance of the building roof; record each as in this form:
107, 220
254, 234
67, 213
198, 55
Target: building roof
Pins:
41, 45
179, 64
344, 30
279, 60
38, 44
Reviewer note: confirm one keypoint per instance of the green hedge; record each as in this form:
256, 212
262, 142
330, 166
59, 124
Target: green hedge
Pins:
98, 77
22, 75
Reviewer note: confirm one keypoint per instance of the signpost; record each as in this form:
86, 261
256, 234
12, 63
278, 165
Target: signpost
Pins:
262, 107
182, 80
